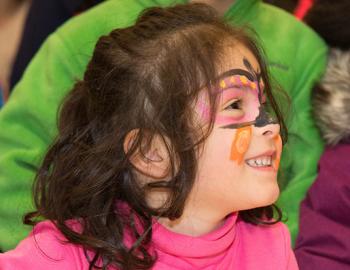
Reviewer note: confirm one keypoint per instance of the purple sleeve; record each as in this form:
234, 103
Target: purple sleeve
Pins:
324, 235
43, 249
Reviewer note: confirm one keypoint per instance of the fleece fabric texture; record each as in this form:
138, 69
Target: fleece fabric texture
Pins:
296, 57
235, 245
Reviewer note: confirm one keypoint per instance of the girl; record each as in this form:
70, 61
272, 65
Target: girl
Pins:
167, 155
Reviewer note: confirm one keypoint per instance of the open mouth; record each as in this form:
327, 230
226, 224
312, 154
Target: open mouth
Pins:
264, 161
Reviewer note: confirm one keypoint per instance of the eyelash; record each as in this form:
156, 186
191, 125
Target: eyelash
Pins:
234, 105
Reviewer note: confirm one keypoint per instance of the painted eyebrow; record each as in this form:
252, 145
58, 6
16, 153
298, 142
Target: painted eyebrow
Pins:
237, 71
239, 125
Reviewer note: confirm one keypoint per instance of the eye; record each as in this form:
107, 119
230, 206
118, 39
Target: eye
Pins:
234, 105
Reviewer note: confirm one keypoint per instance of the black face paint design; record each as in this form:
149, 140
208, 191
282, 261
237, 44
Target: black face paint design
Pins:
264, 118
256, 76
238, 71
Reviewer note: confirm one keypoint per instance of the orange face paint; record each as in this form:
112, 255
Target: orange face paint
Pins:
241, 143
278, 144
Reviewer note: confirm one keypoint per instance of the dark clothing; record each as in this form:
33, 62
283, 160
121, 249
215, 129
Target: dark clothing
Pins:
324, 235
43, 18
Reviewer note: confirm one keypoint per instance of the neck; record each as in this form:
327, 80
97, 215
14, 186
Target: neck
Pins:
221, 6
198, 218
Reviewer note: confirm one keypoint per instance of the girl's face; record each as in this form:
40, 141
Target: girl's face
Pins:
237, 167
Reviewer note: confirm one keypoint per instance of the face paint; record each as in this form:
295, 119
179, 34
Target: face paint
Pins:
241, 102
278, 145
203, 108
240, 144
238, 91
245, 84
247, 81
233, 143
233, 90
264, 118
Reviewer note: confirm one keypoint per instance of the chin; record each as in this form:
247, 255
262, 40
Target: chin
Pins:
266, 197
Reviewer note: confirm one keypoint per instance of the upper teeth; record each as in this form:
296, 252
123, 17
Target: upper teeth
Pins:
260, 162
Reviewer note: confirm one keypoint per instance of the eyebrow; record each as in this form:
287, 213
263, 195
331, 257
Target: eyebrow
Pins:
237, 71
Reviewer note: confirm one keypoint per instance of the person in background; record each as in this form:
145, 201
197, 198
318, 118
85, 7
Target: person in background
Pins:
297, 7
12, 17
25, 25
43, 18
287, 5
323, 240
296, 58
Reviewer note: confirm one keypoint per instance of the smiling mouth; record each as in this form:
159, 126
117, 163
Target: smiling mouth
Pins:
265, 161
262, 162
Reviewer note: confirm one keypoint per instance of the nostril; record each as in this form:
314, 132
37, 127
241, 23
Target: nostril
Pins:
267, 132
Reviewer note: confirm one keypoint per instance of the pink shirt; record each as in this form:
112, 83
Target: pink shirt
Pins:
235, 245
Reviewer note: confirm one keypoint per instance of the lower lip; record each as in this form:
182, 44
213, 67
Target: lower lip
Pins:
269, 168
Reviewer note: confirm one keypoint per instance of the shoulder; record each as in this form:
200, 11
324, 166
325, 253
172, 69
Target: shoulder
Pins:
44, 248
50, 241
289, 23
295, 52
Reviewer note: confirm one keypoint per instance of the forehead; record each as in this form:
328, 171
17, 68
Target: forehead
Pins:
233, 57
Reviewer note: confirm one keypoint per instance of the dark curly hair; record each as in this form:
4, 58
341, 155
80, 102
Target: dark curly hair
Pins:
145, 77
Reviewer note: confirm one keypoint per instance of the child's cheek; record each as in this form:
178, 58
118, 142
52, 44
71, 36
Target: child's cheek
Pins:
278, 145
224, 120
240, 144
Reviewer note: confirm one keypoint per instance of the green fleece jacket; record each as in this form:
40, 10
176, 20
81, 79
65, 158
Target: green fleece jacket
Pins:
296, 59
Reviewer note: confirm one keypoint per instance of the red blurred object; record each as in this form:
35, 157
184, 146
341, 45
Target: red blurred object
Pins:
302, 8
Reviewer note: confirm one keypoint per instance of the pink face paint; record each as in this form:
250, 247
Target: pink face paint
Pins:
203, 108
238, 88
233, 88
249, 101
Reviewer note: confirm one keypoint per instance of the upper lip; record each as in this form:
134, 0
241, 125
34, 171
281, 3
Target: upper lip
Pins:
271, 153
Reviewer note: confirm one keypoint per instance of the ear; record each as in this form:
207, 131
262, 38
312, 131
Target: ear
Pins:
152, 161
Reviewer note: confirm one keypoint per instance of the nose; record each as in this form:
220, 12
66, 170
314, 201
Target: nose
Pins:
269, 130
